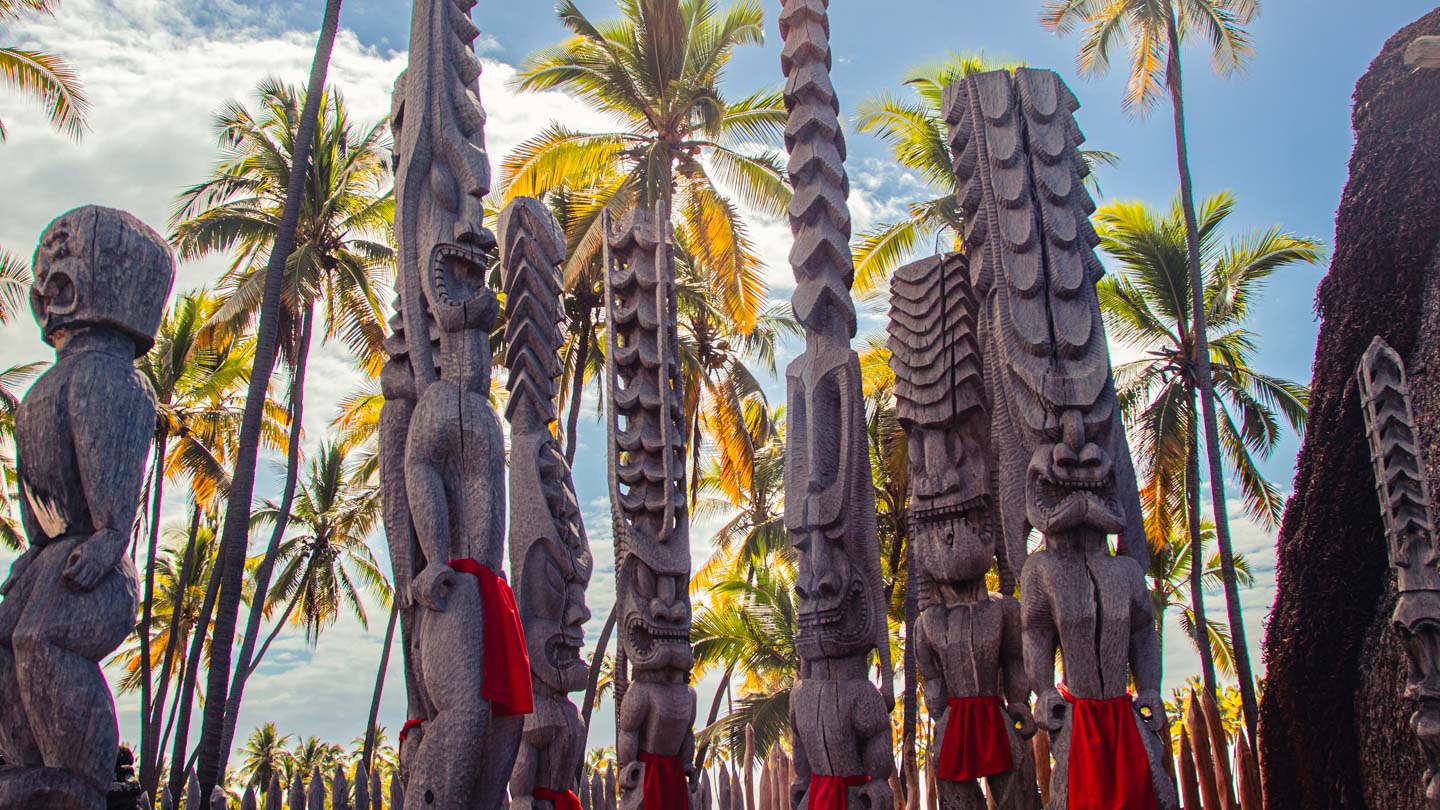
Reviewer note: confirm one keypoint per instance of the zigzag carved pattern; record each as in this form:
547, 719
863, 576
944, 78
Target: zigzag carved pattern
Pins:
648, 451
819, 211
532, 248
1400, 479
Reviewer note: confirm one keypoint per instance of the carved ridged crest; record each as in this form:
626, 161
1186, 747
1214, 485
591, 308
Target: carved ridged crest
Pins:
1400, 478
819, 210
532, 248
647, 470
934, 342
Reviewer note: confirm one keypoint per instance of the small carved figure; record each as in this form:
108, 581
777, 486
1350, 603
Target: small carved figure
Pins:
841, 722
1064, 467
968, 640
655, 741
549, 553
82, 435
1404, 493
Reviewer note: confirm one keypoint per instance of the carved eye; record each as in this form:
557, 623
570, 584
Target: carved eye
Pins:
644, 580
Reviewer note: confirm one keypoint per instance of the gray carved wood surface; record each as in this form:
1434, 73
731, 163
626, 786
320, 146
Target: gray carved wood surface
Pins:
840, 721
550, 556
1404, 493
1063, 465
650, 512
82, 436
442, 445
968, 640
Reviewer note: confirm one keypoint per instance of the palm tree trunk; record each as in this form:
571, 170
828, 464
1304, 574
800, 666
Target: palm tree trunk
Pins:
1197, 565
187, 685
596, 663
577, 387
231, 563
1206, 384
912, 707
150, 759
147, 611
243, 665
280, 625
379, 687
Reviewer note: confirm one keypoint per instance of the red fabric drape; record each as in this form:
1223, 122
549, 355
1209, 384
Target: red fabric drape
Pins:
507, 663
1108, 769
828, 792
562, 801
665, 786
409, 724
976, 744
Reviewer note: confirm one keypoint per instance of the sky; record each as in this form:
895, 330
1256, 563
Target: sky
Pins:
157, 70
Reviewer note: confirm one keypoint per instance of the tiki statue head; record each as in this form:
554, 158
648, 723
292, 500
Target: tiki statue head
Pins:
99, 267
654, 617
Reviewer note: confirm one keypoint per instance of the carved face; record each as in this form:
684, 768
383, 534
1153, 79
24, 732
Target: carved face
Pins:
455, 285
101, 267
655, 616
835, 614
553, 603
1070, 483
957, 548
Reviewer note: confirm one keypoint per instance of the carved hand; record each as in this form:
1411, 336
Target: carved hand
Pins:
630, 776
1020, 713
1050, 710
1151, 700
93, 559
432, 587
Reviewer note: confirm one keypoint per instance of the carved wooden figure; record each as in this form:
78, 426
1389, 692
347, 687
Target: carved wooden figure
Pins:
655, 742
467, 667
1404, 492
1064, 468
968, 640
101, 278
549, 553
840, 721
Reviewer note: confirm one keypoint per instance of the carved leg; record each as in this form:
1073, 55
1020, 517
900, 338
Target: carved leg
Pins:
497, 760
17, 743
1166, 797
444, 767
57, 643
960, 795
1016, 789
1059, 775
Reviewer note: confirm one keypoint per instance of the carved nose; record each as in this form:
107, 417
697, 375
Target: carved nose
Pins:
1073, 455
668, 610
577, 613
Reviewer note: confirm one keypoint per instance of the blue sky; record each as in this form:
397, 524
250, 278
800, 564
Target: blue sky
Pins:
1278, 135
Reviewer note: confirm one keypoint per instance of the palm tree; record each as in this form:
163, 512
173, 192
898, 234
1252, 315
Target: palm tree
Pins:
747, 623
45, 78
1147, 307
310, 756
213, 750
1174, 576
1154, 31
264, 755
914, 128
658, 69
11, 381
326, 563
197, 375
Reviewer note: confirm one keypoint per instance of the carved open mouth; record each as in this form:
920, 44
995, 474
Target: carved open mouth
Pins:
845, 621
458, 273
646, 636
1060, 505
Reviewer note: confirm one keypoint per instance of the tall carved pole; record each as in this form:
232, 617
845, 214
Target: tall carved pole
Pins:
1064, 468
840, 721
467, 667
1404, 491
549, 554
655, 741
967, 640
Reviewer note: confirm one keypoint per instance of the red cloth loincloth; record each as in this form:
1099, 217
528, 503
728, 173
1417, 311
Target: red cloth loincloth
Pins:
1108, 768
976, 744
409, 724
507, 663
665, 786
562, 801
828, 792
